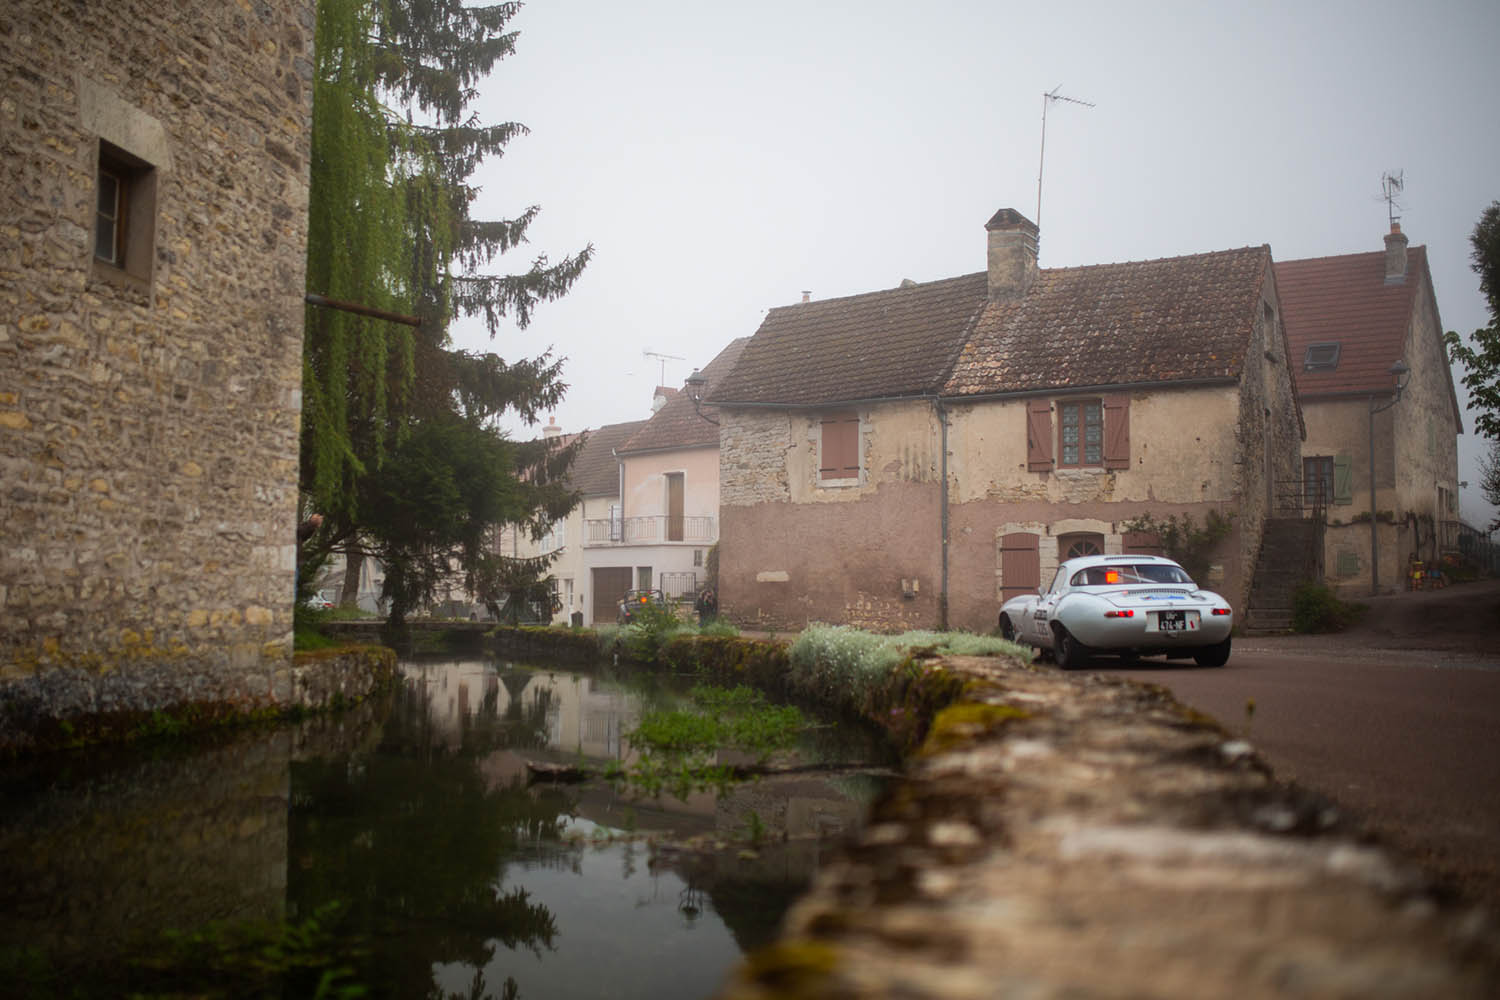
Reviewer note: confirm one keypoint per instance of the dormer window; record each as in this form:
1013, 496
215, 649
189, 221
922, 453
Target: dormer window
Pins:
1321, 358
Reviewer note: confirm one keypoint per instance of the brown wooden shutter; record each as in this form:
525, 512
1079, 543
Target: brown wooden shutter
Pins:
1141, 543
840, 447
1039, 436
1117, 432
1020, 565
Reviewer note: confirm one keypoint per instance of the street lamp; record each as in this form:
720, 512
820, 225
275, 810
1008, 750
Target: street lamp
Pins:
695, 384
1402, 375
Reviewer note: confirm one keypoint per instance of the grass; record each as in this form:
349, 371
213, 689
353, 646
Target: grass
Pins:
678, 748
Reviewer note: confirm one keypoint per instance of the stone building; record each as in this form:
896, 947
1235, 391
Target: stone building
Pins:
913, 457
1351, 319
152, 262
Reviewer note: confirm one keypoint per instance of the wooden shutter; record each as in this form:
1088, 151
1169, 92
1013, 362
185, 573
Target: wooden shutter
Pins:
1039, 436
1141, 543
1020, 565
839, 447
1117, 432
1343, 481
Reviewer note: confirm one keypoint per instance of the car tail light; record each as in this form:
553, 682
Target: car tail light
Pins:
1127, 613
1221, 611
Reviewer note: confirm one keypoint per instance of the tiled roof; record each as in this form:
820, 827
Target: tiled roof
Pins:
677, 424
1346, 300
596, 471
1180, 318
897, 342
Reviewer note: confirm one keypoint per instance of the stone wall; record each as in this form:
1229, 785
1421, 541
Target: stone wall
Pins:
149, 411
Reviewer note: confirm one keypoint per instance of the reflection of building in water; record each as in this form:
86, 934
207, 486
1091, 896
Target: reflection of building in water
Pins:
94, 865
582, 715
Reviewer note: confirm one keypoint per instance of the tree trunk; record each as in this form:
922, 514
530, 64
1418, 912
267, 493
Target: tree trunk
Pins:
354, 561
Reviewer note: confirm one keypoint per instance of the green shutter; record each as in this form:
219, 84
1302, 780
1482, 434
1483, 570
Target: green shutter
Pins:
1343, 485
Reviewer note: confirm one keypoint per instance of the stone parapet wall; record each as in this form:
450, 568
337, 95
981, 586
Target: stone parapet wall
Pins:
1075, 836
149, 413
61, 708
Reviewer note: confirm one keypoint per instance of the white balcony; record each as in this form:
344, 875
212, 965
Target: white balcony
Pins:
659, 529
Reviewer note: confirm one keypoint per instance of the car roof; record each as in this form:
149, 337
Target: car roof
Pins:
1084, 562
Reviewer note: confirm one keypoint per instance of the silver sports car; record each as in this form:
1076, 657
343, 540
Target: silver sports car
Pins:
1130, 606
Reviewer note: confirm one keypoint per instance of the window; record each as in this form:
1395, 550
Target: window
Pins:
697, 557
1321, 357
124, 214
1090, 433
1080, 544
1080, 433
1317, 481
643, 578
838, 449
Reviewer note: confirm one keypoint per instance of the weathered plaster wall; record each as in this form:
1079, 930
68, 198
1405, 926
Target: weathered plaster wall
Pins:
1424, 424
791, 551
1182, 445
148, 427
1268, 435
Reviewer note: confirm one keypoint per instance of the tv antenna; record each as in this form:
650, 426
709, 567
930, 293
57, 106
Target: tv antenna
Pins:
1391, 185
663, 358
1047, 99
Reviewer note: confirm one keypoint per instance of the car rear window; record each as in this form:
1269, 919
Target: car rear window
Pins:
1129, 573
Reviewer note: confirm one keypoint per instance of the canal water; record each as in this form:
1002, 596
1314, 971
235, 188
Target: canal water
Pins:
406, 845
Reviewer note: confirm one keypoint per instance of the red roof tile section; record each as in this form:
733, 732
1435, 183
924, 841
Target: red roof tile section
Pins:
1180, 318
677, 424
596, 471
897, 342
1346, 300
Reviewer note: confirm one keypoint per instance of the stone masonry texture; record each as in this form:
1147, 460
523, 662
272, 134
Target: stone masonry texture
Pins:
149, 421
1064, 835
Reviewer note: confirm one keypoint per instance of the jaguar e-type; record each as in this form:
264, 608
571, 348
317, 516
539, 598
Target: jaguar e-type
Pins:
1127, 605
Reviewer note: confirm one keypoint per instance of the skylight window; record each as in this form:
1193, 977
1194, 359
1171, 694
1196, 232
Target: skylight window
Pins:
1321, 358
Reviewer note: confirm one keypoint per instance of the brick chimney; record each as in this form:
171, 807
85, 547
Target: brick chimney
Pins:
1012, 254
552, 430
1395, 255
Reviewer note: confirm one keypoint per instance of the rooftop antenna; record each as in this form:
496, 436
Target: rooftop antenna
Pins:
1047, 99
663, 358
1391, 184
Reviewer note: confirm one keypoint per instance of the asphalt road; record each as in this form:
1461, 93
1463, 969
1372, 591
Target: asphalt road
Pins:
1407, 741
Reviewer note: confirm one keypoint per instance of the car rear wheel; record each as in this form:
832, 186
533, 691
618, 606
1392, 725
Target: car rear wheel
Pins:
1007, 630
1213, 656
1070, 653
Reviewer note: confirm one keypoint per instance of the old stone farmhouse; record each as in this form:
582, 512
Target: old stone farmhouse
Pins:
152, 254
910, 457
1350, 319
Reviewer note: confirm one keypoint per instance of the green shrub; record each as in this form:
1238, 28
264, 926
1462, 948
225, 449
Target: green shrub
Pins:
845, 666
1316, 608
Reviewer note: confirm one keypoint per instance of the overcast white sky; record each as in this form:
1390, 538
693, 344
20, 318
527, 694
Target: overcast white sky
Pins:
724, 157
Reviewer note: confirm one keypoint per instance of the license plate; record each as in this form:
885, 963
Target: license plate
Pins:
1172, 621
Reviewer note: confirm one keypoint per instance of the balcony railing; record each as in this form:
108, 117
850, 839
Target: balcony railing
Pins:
653, 530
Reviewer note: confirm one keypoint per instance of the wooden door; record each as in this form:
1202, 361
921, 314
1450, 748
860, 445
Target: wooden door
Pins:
674, 507
610, 584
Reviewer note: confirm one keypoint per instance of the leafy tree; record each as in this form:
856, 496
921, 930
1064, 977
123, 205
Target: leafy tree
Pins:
1481, 359
397, 425
1489, 479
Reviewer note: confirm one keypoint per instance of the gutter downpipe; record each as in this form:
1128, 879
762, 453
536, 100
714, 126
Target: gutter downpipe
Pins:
942, 415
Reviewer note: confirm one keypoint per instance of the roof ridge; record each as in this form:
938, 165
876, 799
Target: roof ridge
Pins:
914, 286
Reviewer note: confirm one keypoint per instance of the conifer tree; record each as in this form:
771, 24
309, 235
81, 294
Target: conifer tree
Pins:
398, 427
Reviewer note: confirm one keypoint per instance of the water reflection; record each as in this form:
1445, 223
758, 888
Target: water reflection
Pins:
456, 876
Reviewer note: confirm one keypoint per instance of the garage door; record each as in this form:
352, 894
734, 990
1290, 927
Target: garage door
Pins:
610, 584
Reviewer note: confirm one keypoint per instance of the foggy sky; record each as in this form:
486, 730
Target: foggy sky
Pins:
723, 158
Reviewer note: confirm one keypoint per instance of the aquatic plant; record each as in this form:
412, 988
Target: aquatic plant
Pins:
679, 747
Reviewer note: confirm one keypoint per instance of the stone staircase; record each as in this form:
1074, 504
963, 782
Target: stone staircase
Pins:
1291, 553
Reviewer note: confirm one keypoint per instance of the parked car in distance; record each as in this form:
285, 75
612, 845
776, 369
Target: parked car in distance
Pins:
318, 603
634, 600
1129, 606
